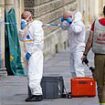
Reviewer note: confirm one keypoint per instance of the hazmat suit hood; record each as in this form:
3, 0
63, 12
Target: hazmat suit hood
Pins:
77, 17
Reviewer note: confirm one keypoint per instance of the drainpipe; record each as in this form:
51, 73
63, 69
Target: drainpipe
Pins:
2, 40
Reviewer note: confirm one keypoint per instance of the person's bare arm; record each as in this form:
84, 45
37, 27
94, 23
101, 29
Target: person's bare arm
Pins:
89, 43
87, 48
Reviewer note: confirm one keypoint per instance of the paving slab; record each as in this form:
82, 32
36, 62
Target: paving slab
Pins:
13, 89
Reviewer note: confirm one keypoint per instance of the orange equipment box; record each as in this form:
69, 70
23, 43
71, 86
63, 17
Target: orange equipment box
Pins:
83, 86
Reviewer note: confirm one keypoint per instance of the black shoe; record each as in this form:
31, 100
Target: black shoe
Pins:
34, 98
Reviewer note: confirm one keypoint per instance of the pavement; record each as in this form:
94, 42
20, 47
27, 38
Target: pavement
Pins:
13, 89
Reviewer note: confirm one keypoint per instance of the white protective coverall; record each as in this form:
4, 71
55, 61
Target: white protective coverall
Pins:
76, 32
34, 45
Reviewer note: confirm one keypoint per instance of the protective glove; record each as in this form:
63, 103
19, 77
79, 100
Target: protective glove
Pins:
23, 23
92, 69
85, 60
27, 56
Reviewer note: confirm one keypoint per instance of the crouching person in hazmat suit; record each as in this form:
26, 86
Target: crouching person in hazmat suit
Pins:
32, 35
72, 22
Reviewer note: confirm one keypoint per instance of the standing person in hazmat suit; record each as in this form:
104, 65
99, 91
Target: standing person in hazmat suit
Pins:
33, 36
76, 33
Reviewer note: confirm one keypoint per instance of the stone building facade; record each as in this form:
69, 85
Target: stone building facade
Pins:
91, 9
48, 11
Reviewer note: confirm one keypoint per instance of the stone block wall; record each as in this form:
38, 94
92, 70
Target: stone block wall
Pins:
50, 11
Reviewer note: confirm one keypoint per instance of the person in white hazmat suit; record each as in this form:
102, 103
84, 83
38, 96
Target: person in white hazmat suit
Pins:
33, 36
76, 31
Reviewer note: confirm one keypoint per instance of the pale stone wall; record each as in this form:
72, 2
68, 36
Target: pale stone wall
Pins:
50, 11
2, 40
91, 9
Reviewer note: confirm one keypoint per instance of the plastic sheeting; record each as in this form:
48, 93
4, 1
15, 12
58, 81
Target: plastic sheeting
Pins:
12, 47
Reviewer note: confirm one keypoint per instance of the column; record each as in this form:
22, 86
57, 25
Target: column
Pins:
2, 40
96, 9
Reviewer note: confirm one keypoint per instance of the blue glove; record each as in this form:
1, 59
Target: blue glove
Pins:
23, 23
62, 19
85, 60
27, 56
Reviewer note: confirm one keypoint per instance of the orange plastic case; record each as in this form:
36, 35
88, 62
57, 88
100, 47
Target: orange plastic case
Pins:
83, 86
